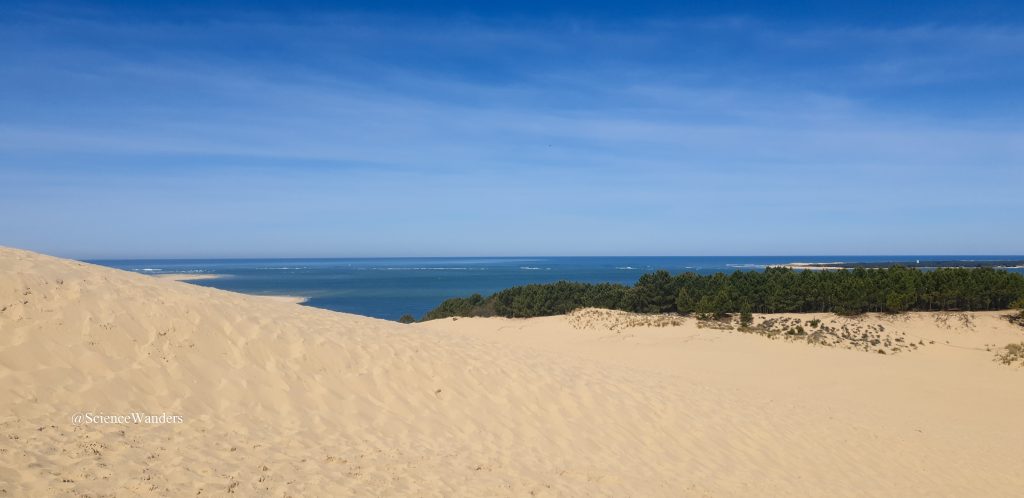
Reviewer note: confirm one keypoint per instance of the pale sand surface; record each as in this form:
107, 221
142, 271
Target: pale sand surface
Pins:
283, 400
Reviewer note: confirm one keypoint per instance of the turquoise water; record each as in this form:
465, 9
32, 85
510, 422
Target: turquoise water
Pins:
390, 287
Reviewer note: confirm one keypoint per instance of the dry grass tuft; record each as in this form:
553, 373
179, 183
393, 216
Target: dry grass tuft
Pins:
1011, 354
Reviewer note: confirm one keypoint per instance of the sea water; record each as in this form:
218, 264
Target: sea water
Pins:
391, 287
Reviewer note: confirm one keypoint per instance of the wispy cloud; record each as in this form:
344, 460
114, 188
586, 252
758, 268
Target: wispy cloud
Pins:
662, 118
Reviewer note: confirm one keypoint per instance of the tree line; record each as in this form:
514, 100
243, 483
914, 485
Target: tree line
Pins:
775, 290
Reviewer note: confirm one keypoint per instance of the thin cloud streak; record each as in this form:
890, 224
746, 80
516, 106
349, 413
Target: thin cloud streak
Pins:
552, 128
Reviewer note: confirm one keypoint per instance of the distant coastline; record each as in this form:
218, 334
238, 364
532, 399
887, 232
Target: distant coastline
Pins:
839, 265
812, 266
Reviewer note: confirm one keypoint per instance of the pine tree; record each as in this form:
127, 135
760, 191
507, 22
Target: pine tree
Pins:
654, 292
721, 304
746, 317
705, 308
685, 304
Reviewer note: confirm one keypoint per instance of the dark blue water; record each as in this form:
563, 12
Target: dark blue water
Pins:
390, 287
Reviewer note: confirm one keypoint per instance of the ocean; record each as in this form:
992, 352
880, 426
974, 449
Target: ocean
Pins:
391, 287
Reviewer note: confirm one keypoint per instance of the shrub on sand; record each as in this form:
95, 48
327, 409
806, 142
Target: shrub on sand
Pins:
1012, 354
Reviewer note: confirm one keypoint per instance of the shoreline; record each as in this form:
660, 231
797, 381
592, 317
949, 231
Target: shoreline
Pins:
282, 299
807, 266
839, 265
816, 266
188, 277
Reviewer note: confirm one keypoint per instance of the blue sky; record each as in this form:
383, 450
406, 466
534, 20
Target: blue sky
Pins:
453, 129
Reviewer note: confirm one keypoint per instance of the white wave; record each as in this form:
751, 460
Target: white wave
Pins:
625, 268
429, 268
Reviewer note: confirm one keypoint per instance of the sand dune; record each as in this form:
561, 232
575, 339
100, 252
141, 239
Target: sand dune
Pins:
284, 400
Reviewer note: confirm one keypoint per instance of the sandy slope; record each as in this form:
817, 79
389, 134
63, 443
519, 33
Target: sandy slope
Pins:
284, 400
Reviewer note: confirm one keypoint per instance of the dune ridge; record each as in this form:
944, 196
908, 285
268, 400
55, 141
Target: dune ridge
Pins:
285, 400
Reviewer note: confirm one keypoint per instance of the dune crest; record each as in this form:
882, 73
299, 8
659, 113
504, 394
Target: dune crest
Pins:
284, 400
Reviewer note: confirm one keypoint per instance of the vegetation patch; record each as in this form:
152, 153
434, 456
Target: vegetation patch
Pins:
954, 320
593, 318
1017, 318
1011, 354
843, 333
840, 332
775, 290
474, 305
710, 322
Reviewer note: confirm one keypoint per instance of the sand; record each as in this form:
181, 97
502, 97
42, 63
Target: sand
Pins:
186, 277
283, 400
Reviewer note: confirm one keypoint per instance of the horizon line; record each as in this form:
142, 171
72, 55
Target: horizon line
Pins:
192, 258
